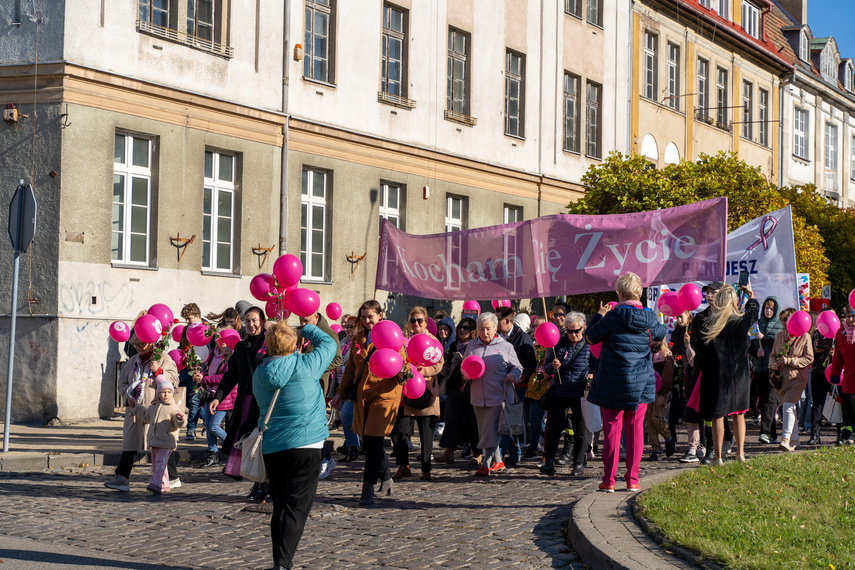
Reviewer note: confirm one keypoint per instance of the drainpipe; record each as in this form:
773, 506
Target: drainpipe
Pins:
283, 180
629, 91
540, 117
781, 90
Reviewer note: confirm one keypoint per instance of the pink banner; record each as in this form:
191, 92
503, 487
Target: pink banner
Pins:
557, 255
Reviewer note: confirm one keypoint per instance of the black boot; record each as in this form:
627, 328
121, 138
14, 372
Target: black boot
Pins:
548, 467
258, 492
351, 455
567, 452
254, 491
367, 497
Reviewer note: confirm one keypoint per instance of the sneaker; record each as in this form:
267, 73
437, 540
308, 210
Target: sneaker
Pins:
191, 435
326, 468
606, 488
440, 428
528, 455
785, 445
119, 484
728, 447
497, 466
174, 483
701, 452
690, 457
671, 446
710, 458
212, 460
633, 488
482, 471
763, 438
655, 456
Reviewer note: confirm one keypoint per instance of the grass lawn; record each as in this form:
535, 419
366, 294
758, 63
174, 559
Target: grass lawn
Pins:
773, 511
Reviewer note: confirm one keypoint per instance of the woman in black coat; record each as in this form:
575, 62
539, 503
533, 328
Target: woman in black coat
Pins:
720, 340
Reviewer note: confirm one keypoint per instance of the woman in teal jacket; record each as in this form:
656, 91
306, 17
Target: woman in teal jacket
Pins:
296, 431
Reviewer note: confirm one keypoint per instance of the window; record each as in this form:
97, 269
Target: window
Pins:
721, 96
313, 224
750, 19
830, 147
847, 77
319, 42
514, 92
828, 63
724, 9
706, 4
454, 214
673, 76
763, 125
595, 12
593, 118
394, 52
800, 134
390, 204
457, 96
804, 52
200, 19
155, 12
131, 235
573, 7
747, 110
571, 112
650, 79
218, 203
512, 214
703, 88
852, 160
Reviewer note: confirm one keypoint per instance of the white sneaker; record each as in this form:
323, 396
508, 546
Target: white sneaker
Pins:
326, 468
174, 483
728, 448
119, 483
440, 428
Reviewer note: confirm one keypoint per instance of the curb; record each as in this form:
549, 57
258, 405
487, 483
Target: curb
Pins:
28, 462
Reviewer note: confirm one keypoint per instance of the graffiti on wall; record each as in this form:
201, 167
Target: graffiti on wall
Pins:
110, 298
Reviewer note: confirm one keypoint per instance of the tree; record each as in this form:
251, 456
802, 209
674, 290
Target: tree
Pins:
622, 185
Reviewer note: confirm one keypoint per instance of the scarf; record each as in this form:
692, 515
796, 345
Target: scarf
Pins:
850, 332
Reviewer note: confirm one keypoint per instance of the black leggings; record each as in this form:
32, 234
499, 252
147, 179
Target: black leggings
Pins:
555, 422
293, 483
376, 462
126, 463
403, 428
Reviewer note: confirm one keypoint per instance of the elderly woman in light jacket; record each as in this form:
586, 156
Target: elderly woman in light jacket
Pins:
502, 370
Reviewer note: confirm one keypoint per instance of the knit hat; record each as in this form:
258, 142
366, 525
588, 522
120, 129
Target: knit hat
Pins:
163, 384
523, 321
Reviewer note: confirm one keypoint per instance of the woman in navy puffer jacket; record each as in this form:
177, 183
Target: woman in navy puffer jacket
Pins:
624, 382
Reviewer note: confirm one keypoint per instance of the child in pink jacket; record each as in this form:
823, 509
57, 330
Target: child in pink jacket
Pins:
165, 420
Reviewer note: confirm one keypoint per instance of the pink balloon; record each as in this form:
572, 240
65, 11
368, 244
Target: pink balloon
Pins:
669, 304
385, 363
230, 337
690, 297
499, 303
336, 328
472, 306
658, 380
261, 287
423, 349
473, 366
177, 332
303, 302
288, 270
163, 314
415, 386
827, 324
799, 323
196, 334
611, 304
274, 307
595, 349
178, 357
119, 331
148, 328
333, 311
547, 335
387, 334
852, 298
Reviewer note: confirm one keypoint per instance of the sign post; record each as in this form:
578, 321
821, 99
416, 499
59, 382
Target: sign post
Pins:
22, 228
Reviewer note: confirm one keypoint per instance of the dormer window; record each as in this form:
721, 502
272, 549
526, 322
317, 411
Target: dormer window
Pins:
804, 50
828, 63
847, 76
750, 19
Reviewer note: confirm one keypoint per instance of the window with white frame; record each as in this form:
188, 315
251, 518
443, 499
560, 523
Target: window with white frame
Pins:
571, 112
830, 147
573, 7
650, 69
706, 4
763, 116
800, 133
155, 12
847, 77
747, 110
703, 87
454, 222
319, 40
131, 232
852, 160
751, 19
391, 206
512, 214
313, 223
200, 19
514, 94
804, 50
457, 86
673, 63
218, 204
454, 214
394, 51
724, 9
593, 120
828, 63
595, 12
721, 96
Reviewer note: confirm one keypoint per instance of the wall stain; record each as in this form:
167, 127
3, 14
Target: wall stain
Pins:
37, 351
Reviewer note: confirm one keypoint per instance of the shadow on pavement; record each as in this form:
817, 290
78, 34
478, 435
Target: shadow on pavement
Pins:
53, 558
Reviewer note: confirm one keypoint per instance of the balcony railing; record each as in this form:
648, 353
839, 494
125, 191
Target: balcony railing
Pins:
194, 42
461, 118
395, 100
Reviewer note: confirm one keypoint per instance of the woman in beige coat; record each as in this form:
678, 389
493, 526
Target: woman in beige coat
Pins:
425, 417
792, 357
141, 367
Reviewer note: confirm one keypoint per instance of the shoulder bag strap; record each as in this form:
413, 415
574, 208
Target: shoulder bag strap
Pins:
269, 410
572, 357
358, 376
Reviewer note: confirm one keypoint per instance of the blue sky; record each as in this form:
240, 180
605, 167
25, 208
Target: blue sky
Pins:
834, 18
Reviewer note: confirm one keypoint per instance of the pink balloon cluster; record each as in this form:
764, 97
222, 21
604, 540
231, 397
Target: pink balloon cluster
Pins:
674, 303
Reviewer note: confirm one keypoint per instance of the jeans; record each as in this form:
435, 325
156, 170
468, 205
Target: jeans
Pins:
790, 430
293, 483
535, 423
557, 419
350, 438
613, 423
212, 427
193, 407
510, 445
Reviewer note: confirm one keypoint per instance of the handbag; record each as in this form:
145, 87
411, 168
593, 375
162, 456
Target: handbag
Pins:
251, 460
422, 402
832, 410
512, 417
592, 416
775, 379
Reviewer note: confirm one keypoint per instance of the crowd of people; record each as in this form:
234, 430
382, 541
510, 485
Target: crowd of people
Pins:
621, 376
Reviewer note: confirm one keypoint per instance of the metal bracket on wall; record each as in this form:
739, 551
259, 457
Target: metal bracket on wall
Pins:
354, 261
180, 244
262, 253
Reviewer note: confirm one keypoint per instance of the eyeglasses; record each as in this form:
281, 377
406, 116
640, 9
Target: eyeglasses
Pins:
464, 328
558, 314
574, 331
416, 320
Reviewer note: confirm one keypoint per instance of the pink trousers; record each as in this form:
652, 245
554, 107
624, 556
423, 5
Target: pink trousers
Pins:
159, 473
613, 424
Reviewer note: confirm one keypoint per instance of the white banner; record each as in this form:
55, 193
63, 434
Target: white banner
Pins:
764, 247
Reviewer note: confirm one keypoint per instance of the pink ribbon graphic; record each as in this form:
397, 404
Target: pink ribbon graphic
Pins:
764, 233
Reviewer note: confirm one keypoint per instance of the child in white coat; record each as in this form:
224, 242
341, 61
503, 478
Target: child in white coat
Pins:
165, 420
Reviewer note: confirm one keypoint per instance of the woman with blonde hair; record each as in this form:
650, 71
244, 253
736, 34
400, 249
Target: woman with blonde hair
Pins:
720, 340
